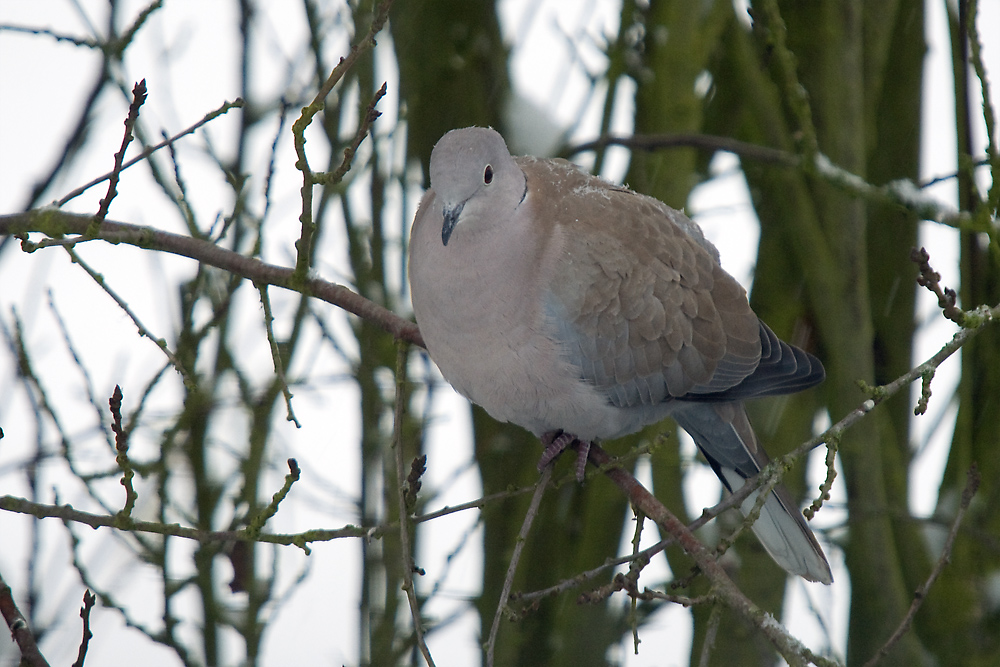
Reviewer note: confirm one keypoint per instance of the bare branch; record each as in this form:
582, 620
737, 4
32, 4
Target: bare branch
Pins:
929, 278
707, 142
276, 360
403, 490
722, 586
19, 630
971, 486
68, 513
707, 646
144, 331
210, 116
257, 523
309, 179
992, 202
903, 193
88, 603
58, 223
515, 558
370, 116
121, 446
975, 321
138, 98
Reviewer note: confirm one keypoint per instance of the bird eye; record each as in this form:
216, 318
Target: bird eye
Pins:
488, 174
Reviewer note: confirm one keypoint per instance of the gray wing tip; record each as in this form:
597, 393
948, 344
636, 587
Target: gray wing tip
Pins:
783, 369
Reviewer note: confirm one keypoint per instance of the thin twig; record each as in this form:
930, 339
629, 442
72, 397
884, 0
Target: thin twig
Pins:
42, 402
513, 493
303, 247
19, 630
69, 514
47, 32
257, 523
768, 482
345, 64
210, 116
121, 447
366, 43
975, 321
929, 278
369, 117
708, 645
832, 445
473, 504
143, 330
108, 600
903, 193
707, 142
790, 648
635, 568
138, 98
992, 203
522, 538
683, 600
279, 366
126, 36
730, 501
88, 603
971, 486
402, 354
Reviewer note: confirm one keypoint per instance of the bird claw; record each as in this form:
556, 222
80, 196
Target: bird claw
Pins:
557, 442
582, 452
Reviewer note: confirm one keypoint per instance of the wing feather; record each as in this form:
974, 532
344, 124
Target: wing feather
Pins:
641, 306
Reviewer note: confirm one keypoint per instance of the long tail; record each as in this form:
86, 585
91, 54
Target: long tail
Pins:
723, 433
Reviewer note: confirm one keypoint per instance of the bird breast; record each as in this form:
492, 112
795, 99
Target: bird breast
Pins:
486, 328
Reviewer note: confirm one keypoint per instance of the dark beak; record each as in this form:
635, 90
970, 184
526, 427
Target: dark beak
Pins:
451, 214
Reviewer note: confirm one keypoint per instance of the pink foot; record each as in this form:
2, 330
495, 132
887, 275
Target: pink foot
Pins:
556, 442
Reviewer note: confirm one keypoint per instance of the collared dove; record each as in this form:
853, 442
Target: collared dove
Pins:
581, 310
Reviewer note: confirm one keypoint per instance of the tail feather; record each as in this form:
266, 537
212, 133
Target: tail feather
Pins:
790, 544
722, 431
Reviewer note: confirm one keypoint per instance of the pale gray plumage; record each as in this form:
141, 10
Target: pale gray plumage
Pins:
568, 305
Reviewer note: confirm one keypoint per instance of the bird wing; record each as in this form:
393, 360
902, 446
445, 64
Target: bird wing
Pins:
638, 299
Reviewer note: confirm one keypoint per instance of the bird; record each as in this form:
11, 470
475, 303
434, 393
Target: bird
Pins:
583, 311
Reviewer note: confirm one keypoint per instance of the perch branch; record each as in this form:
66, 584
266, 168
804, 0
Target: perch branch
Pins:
55, 223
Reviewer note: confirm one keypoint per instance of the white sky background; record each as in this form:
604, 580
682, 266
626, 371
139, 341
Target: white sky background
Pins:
182, 53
